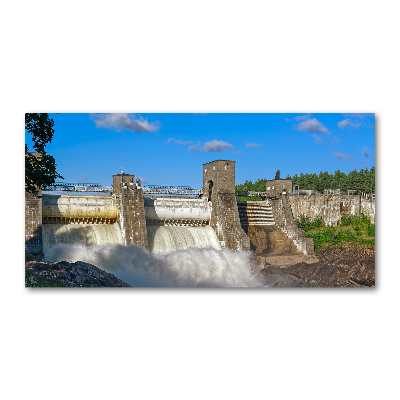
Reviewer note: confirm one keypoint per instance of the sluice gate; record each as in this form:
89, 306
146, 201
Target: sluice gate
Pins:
87, 220
176, 223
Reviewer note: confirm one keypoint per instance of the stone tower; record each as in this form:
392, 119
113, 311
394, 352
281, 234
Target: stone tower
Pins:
219, 188
131, 215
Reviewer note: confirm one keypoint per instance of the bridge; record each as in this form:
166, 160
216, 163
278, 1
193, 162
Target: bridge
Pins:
149, 190
171, 190
78, 187
155, 190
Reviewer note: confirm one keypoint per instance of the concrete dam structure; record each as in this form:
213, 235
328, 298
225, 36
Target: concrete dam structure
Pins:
214, 220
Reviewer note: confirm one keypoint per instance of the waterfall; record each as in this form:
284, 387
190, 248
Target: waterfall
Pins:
86, 234
191, 267
170, 238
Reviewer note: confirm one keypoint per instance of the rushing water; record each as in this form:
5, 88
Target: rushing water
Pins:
179, 256
168, 238
193, 267
87, 234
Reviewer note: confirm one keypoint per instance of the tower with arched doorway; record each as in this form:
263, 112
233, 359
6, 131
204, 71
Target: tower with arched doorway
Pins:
219, 189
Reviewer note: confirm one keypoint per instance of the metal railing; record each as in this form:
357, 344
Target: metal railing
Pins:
250, 193
171, 190
370, 196
77, 187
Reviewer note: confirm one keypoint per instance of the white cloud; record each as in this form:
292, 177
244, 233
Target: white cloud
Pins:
83, 177
180, 142
142, 180
238, 153
317, 139
312, 125
335, 140
253, 145
125, 122
214, 146
359, 115
365, 152
341, 156
303, 117
348, 123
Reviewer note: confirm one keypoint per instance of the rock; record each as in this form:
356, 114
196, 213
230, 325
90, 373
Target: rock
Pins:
66, 274
339, 266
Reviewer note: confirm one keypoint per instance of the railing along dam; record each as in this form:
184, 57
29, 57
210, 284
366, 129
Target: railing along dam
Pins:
174, 224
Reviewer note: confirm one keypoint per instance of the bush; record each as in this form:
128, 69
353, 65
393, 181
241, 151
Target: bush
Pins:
371, 229
323, 236
346, 236
306, 223
346, 220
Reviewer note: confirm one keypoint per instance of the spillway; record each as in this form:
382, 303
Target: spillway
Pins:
170, 238
85, 220
177, 224
85, 234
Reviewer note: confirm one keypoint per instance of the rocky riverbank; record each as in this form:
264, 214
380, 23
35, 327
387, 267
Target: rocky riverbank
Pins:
342, 265
66, 274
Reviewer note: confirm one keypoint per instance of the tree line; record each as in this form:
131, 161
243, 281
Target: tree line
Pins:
363, 180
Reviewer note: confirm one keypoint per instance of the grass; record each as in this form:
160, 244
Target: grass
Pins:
351, 229
248, 198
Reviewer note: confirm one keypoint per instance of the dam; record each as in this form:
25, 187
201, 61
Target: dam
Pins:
212, 219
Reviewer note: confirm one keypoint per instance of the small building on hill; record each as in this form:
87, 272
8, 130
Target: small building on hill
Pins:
276, 186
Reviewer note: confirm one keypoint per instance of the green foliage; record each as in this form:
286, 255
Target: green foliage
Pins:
258, 186
363, 180
40, 170
306, 223
323, 236
371, 229
352, 229
248, 198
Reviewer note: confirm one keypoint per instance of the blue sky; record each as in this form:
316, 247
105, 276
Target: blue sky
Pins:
169, 149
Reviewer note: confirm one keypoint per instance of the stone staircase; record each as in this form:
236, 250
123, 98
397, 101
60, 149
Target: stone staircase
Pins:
257, 213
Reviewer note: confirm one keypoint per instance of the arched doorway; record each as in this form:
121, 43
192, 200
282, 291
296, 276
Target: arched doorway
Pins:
210, 185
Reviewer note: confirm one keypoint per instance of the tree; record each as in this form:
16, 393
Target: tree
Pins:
40, 167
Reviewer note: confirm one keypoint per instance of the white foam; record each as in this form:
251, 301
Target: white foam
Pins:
193, 267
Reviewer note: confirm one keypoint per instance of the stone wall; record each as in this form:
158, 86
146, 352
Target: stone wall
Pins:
226, 223
368, 208
257, 220
325, 206
284, 220
33, 223
330, 207
270, 239
131, 213
274, 187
